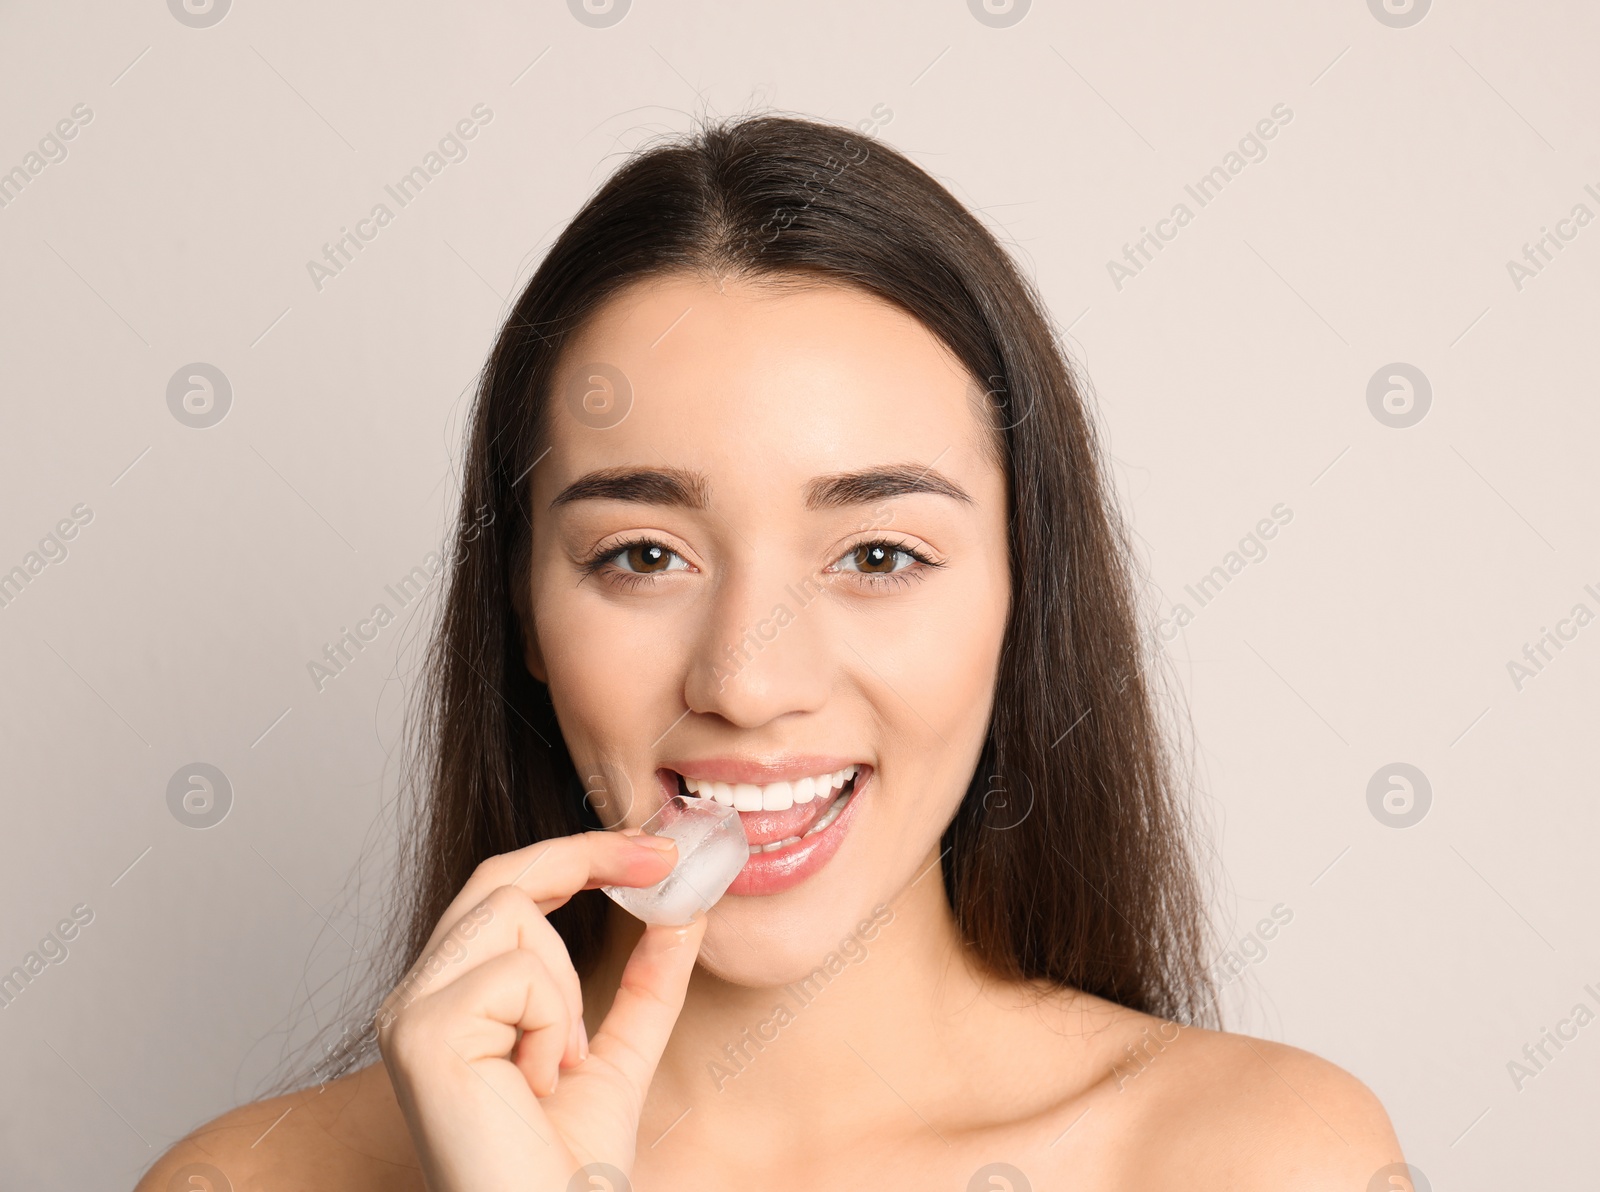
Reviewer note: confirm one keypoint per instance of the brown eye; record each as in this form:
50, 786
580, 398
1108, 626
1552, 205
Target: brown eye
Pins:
875, 558
646, 558
882, 561
631, 564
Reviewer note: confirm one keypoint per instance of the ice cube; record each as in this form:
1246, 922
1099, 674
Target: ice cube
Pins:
712, 848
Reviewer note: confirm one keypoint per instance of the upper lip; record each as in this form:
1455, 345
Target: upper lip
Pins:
760, 771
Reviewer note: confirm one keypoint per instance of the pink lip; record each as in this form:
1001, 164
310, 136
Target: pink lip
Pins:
779, 870
784, 868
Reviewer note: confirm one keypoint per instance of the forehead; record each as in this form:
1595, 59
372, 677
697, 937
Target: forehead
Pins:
734, 375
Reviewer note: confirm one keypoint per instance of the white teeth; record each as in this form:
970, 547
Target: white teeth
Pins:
775, 796
830, 815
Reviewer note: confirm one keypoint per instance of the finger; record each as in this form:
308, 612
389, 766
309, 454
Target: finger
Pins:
648, 1001
507, 919
551, 871
478, 1016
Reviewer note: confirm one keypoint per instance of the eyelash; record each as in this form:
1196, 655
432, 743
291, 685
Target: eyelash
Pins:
630, 580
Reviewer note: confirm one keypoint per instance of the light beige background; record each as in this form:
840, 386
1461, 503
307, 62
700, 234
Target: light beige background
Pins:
1231, 375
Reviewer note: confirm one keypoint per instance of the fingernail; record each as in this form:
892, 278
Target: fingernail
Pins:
583, 1040
662, 844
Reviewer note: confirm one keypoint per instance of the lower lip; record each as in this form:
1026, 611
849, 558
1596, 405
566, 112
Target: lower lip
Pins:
784, 868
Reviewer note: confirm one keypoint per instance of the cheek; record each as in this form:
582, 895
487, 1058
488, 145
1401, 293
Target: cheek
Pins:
600, 718
931, 681
940, 659
614, 676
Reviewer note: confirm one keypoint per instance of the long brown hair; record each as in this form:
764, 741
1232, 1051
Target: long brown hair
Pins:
1069, 861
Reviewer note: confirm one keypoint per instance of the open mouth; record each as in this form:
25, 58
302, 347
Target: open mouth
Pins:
782, 815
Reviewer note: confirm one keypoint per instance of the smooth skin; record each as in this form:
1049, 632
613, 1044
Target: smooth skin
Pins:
910, 1068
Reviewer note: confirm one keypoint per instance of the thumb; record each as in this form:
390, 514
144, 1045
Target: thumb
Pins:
648, 1001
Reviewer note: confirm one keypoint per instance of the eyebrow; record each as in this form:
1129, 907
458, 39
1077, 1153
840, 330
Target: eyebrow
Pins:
691, 490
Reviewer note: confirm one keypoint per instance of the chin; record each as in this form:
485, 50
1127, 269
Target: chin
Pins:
829, 922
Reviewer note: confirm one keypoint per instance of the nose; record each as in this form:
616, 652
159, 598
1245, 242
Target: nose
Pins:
763, 650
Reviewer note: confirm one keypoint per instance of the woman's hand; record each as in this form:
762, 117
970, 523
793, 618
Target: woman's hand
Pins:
483, 1104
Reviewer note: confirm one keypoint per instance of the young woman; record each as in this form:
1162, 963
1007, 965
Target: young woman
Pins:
778, 479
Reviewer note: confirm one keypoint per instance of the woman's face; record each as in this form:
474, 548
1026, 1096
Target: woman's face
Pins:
769, 545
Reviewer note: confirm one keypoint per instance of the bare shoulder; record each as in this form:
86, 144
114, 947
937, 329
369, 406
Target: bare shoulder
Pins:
1212, 1109
347, 1134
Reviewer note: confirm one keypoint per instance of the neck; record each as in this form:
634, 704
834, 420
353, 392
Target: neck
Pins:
899, 999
